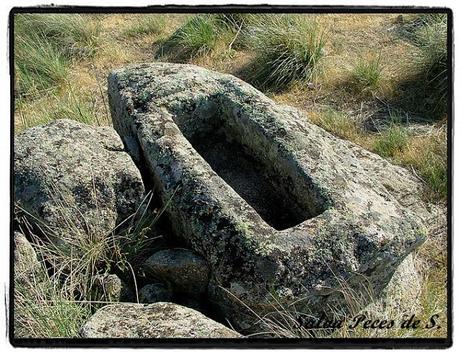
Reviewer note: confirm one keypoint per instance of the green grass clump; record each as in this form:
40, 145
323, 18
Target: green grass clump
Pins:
44, 310
72, 105
149, 24
75, 35
390, 141
234, 26
39, 66
46, 45
428, 156
339, 124
235, 22
197, 36
431, 38
425, 89
433, 168
288, 48
367, 73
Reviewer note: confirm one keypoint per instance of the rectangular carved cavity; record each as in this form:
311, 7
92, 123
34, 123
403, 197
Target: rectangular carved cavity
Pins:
245, 159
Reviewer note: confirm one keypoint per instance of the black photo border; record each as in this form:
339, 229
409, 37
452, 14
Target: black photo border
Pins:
318, 343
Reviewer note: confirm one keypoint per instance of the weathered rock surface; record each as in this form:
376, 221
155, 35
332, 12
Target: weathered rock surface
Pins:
277, 206
27, 268
30, 281
76, 178
156, 292
186, 271
158, 320
402, 294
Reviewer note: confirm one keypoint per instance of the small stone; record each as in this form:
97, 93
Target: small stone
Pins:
156, 292
27, 268
186, 271
107, 288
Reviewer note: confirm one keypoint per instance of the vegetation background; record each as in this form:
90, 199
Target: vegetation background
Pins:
379, 80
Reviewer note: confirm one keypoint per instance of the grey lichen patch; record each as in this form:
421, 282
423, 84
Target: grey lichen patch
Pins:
312, 212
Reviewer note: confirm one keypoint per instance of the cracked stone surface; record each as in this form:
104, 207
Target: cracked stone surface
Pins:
76, 178
344, 216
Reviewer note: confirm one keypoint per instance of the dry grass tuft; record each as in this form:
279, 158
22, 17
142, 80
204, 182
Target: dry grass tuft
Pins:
57, 300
